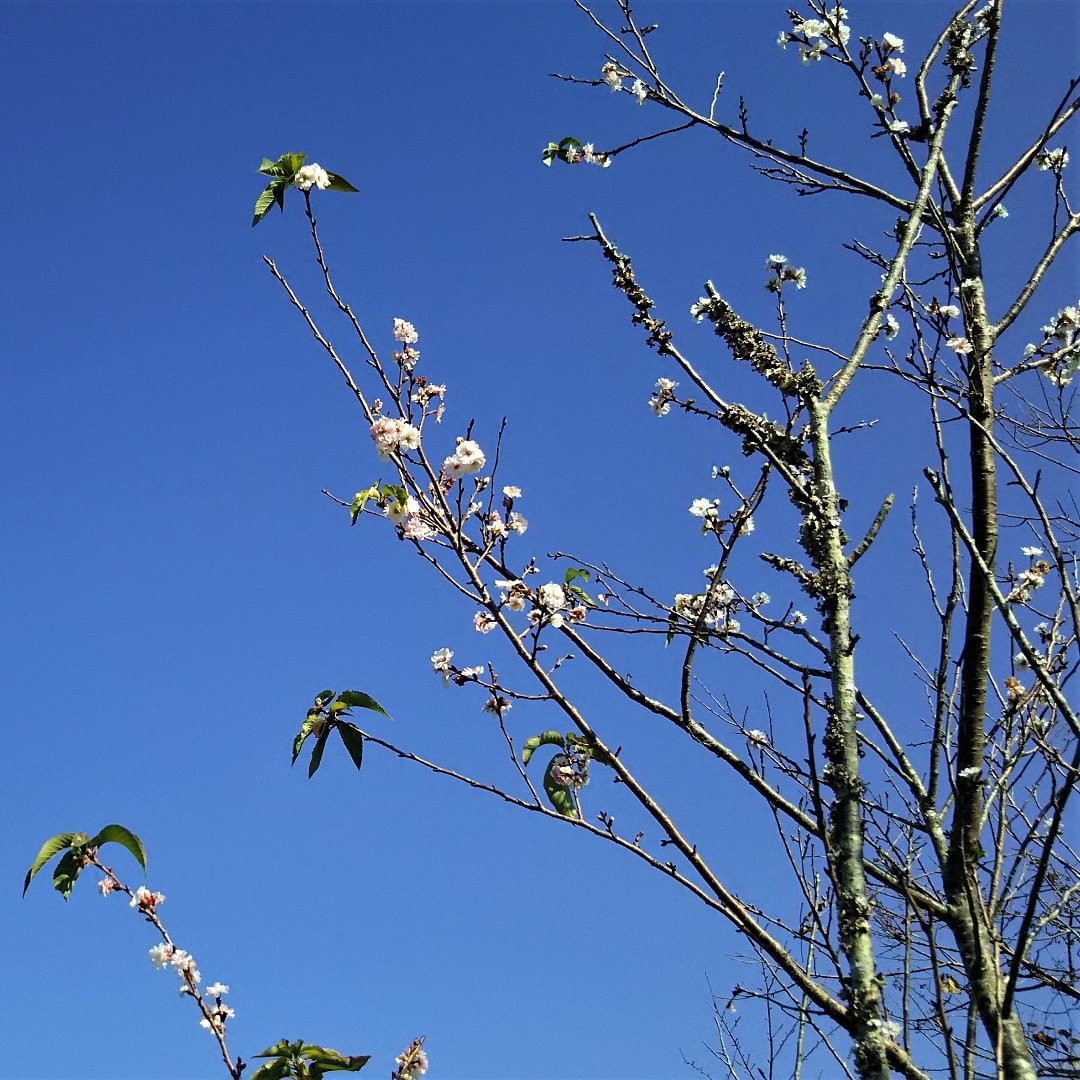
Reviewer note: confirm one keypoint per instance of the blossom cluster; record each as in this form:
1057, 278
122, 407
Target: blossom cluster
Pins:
1064, 327
311, 176
716, 612
889, 326
946, 311
393, 434
218, 1012
183, 963
1027, 581
405, 332
467, 458
1052, 160
565, 772
613, 77
441, 662
588, 155
781, 271
1061, 339
551, 604
814, 36
412, 1062
891, 65
660, 402
143, 899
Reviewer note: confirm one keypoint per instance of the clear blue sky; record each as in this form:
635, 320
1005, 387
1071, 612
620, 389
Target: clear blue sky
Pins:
176, 589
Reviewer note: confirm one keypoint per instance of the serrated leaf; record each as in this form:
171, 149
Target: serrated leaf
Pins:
292, 162
66, 874
301, 738
354, 742
53, 846
360, 500
548, 738
559, 796
353, 1063
285, 167
323, 698
357, 699
117, 834
263, 203
332, 1061
281, 1048
581, 594
339, 183
272, 1070
317, 751
324, 1056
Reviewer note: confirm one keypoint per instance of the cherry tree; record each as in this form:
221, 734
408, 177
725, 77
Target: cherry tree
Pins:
930, 922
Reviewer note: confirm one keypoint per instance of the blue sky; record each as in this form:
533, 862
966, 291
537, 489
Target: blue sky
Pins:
177, 589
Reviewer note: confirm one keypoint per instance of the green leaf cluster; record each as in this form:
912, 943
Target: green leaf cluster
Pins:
325, 716
560, 795
566, 150
572, 575
283, 172
305, 1061
78, 849
379, 492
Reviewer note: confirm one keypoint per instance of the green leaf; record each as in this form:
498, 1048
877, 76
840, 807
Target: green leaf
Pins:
117, 834
317, 752
282, 1048
323, 698
566, 146
332, 1061
357, 699
581, 594
272, 1070
51, 847
353, 740
559, 796
301, 738
571, 576
360, 500
339, 183
338, 706
292, 163
67, 873
550, 153
548, 738
266, 200
285, 167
